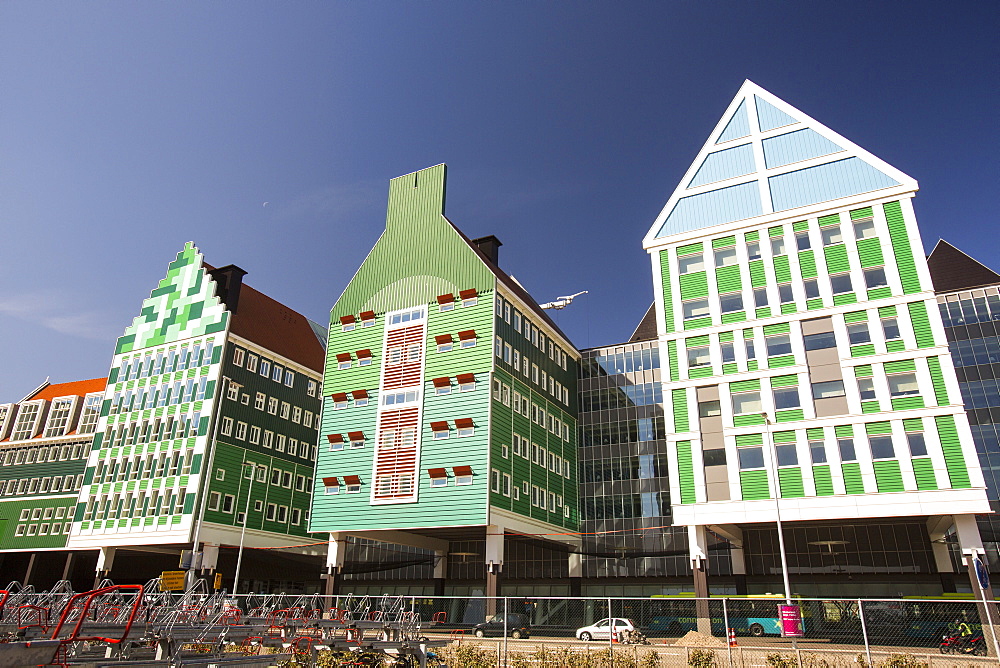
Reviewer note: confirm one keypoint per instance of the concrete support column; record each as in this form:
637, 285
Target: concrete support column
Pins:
105, 561
734, 535
698, 549
440, 571
30, 569
336, 552
68, 568
937, 529
494, 566
575, 573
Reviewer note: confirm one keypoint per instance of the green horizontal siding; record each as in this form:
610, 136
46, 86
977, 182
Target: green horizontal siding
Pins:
690, 249
879, 293
900, 366
783, 437
752, 236
857, 214
870, 252
907, 403
785, 381
844, 299
695, 341
697, 323
744, 386
853, 483
789, 416
724, 241
875, 428
694, 285
856, 316
836, 259
775, 231
782, 269
895, 346
901, 249
800, 226
672, 360
685, 471
790, 483
730, 318
778, 328
844, 431
749, 439
888, 476
832, 219
923, 471
753, 485
921, 324
823, 480
954, 459
747, 420
813, 304
758, 276
680, 404
780, 361
807, 264
668, 291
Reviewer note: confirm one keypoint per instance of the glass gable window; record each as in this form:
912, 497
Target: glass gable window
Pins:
689, 264
697, 308
731, 303
745, 403
58, 417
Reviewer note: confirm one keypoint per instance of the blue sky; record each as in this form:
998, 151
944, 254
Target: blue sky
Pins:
129, 128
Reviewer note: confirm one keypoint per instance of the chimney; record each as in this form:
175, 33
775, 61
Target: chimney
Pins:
490, 247
228, 281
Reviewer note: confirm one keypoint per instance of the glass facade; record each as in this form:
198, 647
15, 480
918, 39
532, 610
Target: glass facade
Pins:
972, 322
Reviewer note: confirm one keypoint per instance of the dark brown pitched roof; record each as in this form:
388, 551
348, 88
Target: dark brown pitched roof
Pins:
646, 329
274, 326
510, 283
952, 269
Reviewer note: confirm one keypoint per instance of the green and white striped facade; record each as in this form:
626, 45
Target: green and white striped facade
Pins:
789, 281
449, 399
183, 418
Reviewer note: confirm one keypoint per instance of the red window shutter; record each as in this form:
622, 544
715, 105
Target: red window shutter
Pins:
468, 294
343, 357
352, 480
364, 353
464, 423
360, 394
438, 473
356, 435
331, 482
461, 470
464, 378
442, 382
439, 426
368, 315
467, 334
346, 319
339, 396
335, 438
444, 299
443, 338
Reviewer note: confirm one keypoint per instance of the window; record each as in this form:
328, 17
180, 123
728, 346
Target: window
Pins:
690, 264
364, 357
336, 441
311, 388
731, 302
296, 415
864, 228
846, 447
866, 388
785, 293
58, 417
409, 316
890, 328
841, 283
296, 516
440, 430
233, 392
360, 399
241, 430
778, 246
347, 323
786, 454
728, 352
464, 427
760, 297
344, 361
357, 439
227, 426
220, 474
918, 447
817, 451
746, 403
463, 475
820, 341
265, 368
444, 343
467, 339
881, 447
213, 500
290, 378
285, 409
697, 308
875, 278
778, 345
829, 389
367, 319
269, 513
811, 287
438, 476
712, 408
832, 235
750, 348
753, 251
716, 457
751, 458
228, 501
331, 485
466, 382
698, 357
469, 297
272, 406
725, 257
903, 385
786, 398
238, 356
802, 241
259, 400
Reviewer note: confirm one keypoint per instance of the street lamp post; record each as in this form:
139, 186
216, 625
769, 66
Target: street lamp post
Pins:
204, 478
243, 531
777, 507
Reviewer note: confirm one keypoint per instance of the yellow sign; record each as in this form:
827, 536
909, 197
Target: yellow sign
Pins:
172, 580
218, 581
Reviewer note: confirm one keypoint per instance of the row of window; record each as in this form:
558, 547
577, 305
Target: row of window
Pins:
969, 310
267, 438
624, 396
785, 398
529, 409
466, 298
624, 361
279, 477
152, 431
186, 356
265, 367
530, 370
531, 332
38, 454
829, 235
157, 396
153, 465
786, 454
43, 529
623, 431
35, 514
263, 402
273, 512
136, 504
634, 467
348, 323
41, 485
538, 455
29, 413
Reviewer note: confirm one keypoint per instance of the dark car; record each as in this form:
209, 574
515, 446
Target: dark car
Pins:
516, 626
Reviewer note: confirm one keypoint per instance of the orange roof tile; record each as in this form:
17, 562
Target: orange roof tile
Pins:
78, 387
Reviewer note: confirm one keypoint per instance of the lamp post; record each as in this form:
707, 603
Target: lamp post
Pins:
246, 518
777, 507
205, 478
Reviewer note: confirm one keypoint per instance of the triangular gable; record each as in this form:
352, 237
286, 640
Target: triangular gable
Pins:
182, 306
952, 269
765, 157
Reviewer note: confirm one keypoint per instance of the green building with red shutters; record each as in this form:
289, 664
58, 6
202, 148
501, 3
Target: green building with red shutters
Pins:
449, 408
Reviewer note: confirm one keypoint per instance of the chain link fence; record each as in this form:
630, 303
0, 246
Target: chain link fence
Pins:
681, 630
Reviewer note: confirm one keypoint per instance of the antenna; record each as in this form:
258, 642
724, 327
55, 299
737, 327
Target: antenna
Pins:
562, 302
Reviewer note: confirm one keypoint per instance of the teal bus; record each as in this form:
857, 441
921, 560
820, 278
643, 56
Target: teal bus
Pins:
755, 615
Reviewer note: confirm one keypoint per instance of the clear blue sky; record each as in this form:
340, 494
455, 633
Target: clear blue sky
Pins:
128, 128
